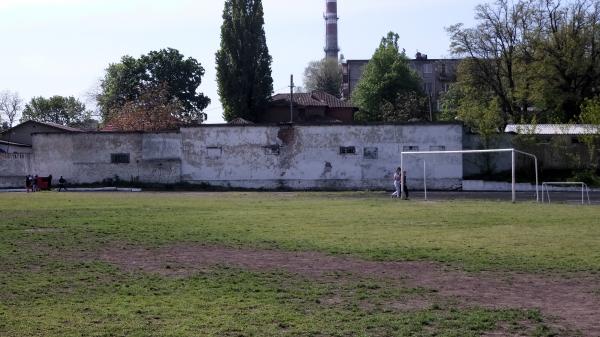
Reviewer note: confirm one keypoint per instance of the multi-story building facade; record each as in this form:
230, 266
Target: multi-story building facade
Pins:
436, 74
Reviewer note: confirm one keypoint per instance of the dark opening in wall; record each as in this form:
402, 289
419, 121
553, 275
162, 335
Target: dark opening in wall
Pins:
347, 150
272, 150
371, 153
119, 158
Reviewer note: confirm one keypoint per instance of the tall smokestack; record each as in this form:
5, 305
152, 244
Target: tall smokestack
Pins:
331, 29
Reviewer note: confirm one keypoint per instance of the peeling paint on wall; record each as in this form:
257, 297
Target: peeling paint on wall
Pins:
291, 157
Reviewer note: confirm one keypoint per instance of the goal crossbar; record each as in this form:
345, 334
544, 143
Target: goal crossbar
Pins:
513, 152
584, 189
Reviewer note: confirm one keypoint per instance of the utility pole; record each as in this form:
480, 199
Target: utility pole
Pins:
292, 99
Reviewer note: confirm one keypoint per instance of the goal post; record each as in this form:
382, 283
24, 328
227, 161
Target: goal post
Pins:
513, 152
584, 190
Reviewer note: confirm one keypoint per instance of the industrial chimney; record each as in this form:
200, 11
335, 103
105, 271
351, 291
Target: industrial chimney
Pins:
331, 29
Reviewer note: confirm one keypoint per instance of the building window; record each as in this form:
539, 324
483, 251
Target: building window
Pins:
347, 150
428, 87
119, 158
371, 153
410, 148
437, 148
272, 150
427, 68
214, 152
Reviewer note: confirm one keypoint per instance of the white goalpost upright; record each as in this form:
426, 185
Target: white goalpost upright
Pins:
513, 152
584, 190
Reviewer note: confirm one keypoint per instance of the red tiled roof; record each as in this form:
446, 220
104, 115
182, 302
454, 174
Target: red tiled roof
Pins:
240, 121
315, 98
330, 100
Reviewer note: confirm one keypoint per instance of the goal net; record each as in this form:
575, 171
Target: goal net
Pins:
406, 155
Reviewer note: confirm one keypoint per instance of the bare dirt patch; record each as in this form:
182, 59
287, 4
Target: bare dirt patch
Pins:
569, 299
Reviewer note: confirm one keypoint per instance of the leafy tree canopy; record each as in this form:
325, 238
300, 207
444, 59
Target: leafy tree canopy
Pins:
540, 59
386, 83
152, 111
61, 110
477, 107
243, 62
167, 69
324, 75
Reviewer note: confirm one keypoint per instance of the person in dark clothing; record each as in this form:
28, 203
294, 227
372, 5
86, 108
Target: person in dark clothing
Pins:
405, 186
28, 182
61, 184
50, 183
34, 185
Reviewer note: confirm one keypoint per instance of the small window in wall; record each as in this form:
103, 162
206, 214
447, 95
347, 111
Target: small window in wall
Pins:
428, 87
410, 148
119, 158
272, 150
214, 152
371, 153
427, 68
437, 148
347, 150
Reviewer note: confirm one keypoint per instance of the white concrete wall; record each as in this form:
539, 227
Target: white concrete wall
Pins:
86, 158
13, 169
269, 157
310, 156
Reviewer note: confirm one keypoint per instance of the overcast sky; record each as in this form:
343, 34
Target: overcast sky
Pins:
62, 47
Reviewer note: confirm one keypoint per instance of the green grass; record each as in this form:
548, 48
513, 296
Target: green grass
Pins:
472, 234
49, 288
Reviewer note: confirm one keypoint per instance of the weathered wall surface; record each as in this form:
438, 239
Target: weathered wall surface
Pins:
311, 157
9, 148
332, 157
13, 169
554, 153
488, 164
88, 157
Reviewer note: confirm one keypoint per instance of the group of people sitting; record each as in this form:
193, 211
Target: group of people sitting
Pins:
35, 183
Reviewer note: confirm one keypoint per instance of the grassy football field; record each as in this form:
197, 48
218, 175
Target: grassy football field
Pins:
294, 264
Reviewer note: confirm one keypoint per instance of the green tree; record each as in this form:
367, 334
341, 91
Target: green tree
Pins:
243, 62
568, 54
386, 81
61, 110
590, 116
539, 58
324, 75
126, 81
478, 108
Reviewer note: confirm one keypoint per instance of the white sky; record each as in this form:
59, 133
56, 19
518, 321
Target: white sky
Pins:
61, 47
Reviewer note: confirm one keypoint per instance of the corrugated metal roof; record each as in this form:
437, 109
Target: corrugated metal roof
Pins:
553, 129
62, 127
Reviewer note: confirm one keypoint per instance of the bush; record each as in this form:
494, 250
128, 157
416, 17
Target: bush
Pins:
590, 177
